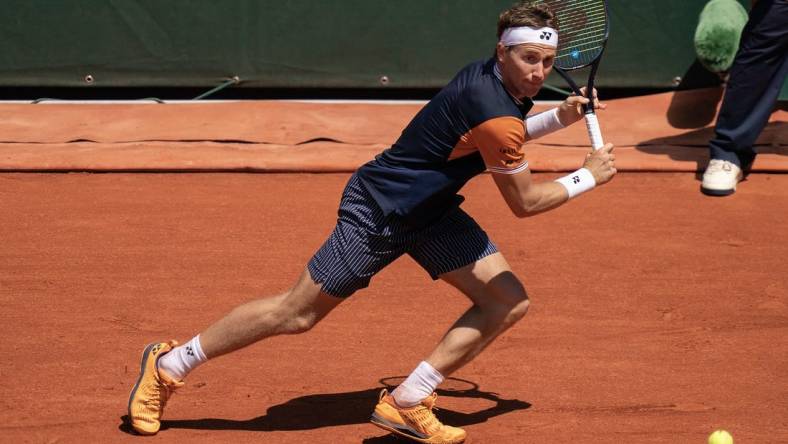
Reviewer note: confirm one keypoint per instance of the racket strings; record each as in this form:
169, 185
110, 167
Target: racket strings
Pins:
592, 36
582, 31
584, 26
581, 47
576, 15
583, 23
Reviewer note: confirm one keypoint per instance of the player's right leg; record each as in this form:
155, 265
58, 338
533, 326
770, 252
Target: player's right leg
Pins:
295, 311
359, 247
150, 394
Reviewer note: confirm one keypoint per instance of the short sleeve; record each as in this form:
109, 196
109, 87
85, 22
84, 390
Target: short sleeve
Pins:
500, 141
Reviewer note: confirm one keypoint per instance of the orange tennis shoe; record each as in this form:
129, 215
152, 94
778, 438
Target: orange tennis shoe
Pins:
417, 423
152, 390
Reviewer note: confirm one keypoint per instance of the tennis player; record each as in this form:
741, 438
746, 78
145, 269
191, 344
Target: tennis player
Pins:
405, 201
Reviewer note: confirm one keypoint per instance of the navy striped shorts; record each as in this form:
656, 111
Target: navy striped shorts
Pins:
365, 240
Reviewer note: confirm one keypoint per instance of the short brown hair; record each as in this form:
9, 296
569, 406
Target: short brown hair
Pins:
527, 13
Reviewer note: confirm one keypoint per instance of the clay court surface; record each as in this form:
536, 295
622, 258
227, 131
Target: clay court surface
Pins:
658, 314
650, 322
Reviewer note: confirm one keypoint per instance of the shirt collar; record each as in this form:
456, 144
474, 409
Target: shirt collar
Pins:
497, 72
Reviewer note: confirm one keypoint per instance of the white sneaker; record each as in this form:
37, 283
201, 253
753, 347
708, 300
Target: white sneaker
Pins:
720, 178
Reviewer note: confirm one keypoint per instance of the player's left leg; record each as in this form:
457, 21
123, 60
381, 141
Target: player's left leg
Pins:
499, 301
458, 251
462, 255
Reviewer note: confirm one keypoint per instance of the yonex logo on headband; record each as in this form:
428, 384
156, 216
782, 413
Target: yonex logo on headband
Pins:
526, 34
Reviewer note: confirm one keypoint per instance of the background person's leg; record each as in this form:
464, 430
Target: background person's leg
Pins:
756, 77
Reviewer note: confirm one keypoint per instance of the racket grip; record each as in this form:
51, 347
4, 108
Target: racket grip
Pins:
594, 133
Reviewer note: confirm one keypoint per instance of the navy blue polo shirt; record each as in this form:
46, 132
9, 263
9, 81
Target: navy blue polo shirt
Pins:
472, 125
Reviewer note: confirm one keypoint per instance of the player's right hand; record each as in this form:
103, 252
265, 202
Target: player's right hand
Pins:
602, 164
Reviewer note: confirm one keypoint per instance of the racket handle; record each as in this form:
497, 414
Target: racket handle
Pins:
592, 124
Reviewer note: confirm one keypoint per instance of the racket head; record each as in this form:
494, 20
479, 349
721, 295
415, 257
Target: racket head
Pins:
583, 29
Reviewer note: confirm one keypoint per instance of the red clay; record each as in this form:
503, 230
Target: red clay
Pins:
658, 314
661, 132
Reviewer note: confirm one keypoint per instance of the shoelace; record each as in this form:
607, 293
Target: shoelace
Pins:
160, 395
716, 165
426, 417
427, 420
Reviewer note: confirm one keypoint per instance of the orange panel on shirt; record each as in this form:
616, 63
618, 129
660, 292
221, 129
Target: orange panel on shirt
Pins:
499, 140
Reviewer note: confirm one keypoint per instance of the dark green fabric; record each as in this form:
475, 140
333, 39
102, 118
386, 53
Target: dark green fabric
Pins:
306, 43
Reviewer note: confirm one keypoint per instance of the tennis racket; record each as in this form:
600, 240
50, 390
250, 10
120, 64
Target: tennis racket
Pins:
583, 31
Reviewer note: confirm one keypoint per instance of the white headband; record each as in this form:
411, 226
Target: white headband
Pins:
526, 34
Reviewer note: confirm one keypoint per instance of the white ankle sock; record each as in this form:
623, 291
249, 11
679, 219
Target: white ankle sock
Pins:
418, 386
183, 359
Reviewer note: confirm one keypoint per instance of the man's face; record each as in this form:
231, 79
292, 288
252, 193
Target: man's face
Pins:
525, 67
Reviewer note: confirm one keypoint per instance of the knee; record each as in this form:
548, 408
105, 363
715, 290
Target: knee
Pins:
300, 323
518, 310
510, 306
294, 318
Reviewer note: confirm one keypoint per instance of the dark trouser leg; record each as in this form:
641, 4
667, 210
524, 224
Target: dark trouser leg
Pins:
756, 77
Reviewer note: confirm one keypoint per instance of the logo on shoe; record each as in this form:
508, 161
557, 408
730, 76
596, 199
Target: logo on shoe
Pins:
157, 348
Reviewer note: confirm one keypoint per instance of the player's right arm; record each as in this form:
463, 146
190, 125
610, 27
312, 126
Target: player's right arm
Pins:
526, 198
501, 141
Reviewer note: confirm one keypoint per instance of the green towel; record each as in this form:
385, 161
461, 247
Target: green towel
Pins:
717, 36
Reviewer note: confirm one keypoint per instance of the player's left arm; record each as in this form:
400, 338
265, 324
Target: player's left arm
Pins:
569, 112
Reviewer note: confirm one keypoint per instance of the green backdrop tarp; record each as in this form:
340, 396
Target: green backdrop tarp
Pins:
304, 43
784, 92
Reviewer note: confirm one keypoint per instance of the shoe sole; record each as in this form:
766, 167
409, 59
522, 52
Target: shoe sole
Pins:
145, 355
709, 192
388, 426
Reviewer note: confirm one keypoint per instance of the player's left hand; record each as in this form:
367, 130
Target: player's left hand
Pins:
570, 111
